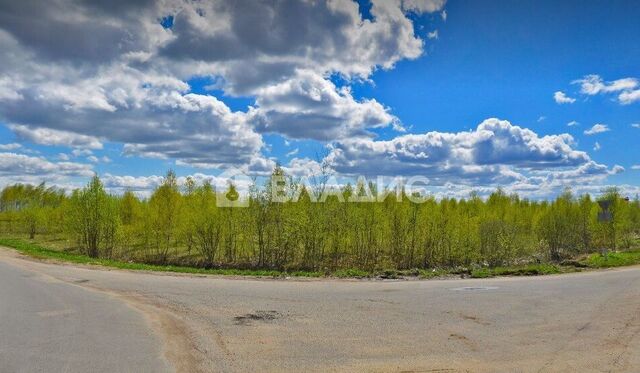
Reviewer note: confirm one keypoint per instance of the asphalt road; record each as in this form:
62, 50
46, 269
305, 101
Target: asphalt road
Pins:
52, 326
577, 322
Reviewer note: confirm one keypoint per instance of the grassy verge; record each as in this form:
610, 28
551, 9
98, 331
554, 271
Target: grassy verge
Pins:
593, 261
619, 259
526, 270
40, 252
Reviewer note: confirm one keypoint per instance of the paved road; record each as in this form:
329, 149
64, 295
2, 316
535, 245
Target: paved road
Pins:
578, 322
52, 326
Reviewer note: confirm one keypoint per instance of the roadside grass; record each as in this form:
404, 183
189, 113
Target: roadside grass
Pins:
525, 270
616, 259
39, 252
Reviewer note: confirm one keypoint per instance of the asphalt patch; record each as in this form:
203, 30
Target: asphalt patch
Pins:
264, 316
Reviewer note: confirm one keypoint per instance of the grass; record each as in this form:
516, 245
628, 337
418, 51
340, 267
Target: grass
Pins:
619, 259
525, 270
37, 251
592, 261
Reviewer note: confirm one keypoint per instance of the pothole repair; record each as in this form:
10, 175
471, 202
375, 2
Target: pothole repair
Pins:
264, 316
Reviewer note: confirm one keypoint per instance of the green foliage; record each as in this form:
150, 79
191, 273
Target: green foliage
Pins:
186, 226
565, 226
527, 270
617, 259
164, 209
40, 252
93, 219
26, 208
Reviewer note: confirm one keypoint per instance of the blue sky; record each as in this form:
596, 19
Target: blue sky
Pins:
196, 97
506, 59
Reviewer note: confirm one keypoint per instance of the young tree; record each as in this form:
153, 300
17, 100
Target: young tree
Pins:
94, 219
207, 224
164, 206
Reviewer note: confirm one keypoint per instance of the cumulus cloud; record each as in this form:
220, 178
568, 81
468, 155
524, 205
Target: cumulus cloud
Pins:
423, 6
626, 88
596, 129
94, 159
127, 81
495, 153
252, 44
628, 97
23, 168
47, 136
81, 152
309, 106
11, 146
593, 85
144, 185
561, 98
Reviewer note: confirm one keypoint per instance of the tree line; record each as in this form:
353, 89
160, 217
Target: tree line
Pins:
185, 225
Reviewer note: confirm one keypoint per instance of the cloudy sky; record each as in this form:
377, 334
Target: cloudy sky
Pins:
530, 96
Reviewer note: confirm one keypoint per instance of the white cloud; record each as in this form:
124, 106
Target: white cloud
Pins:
443, 14
495, 153
254, 46
144, 185
597, 128
93, 159
561, 98
292, 153
635, 125
303, 167
81, 152
635, 167
573, 123
11, 146
593, 85
626, 88
46, 136
23, 168
596, 146
128, 83
309, 106
629, 97
9, 89
433, 34
423, 6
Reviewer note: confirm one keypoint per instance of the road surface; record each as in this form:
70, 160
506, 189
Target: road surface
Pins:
576, 322
53, 326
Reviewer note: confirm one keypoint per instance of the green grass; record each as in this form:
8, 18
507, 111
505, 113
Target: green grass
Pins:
593, 261
40, 252
619, 259
351, 273
526, 270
